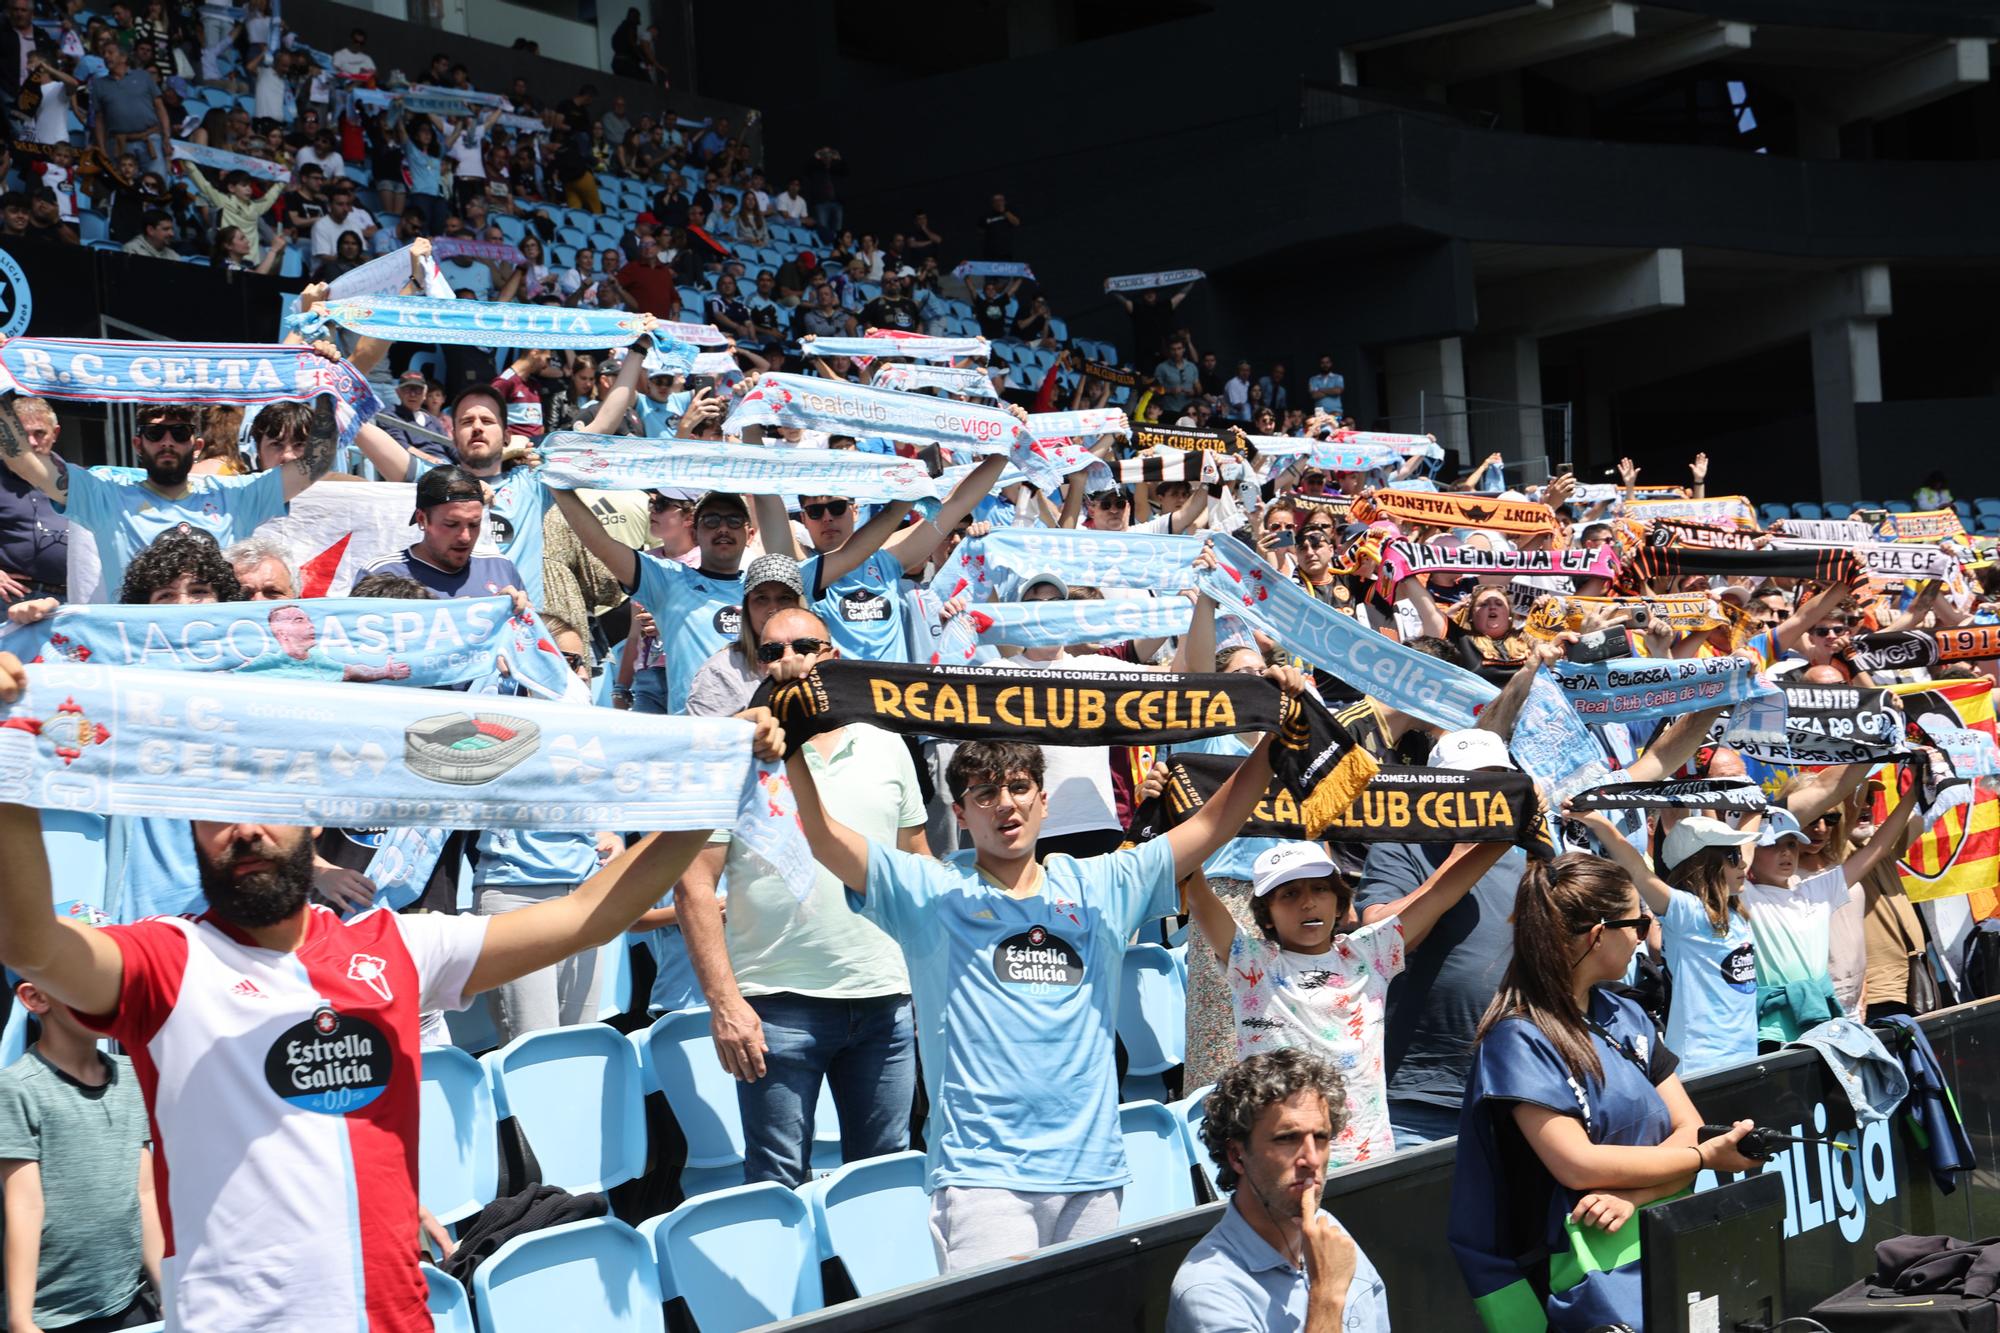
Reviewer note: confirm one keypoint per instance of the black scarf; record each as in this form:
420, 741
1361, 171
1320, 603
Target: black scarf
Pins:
1411, 805
1821, 564
1834, 724
1313, 756
1689, 794
1230, 441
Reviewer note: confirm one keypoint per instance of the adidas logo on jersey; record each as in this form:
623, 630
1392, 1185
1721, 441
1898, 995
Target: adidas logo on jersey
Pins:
248, 990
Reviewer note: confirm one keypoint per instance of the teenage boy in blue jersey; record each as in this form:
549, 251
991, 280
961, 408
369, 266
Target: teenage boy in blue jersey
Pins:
1014, 966
853, 578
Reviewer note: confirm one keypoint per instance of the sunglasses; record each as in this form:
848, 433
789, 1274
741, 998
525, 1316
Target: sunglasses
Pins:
578, 663
1732, 856
1108, 502
660, 504
775, 651
826, 509
1827, 631
159, 430
1316, 539
1641, 923
712, 522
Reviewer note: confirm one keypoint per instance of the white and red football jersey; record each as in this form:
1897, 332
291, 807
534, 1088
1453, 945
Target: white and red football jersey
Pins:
283, 1091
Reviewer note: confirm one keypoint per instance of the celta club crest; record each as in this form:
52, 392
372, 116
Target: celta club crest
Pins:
65, 649
68, 730
17, 304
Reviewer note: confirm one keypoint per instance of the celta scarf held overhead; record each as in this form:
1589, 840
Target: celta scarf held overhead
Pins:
1436, 509
424, 319
1139, 282
177, 745
426, 644
1059, 624
221, 159
1073, 425
572, 460
983, 567
1820, 564
1312, 755
917, 349
388, 274
1403, 446
1636, 689
963, 380
99, 370
1738, 794
471, 247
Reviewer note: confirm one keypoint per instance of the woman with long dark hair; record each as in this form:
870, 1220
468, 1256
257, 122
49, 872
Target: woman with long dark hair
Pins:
1573, 1116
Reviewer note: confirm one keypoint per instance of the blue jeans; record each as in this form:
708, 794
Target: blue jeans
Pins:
867, 1051
828, 218
1416, 1123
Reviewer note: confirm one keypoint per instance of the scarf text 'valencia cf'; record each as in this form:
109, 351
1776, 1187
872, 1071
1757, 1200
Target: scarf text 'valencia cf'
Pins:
1823, 565
1313, 756
1414, 805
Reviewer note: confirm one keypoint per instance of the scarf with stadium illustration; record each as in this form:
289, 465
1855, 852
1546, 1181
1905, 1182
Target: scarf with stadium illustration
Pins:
1059, 624
1315, 758
102, 370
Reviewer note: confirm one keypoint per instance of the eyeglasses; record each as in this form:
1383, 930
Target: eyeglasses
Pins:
826, 509
712, 522
987, 794
159, 430
660, 504
1641, 923
775, 650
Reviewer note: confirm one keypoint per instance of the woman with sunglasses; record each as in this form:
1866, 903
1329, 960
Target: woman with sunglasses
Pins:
1705, 931
1574, 1114
726, 680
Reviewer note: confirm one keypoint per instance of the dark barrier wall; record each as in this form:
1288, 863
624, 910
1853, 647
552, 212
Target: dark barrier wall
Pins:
74, 285
1836, 1212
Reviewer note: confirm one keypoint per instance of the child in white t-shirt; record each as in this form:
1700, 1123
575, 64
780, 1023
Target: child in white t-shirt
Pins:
1308, 982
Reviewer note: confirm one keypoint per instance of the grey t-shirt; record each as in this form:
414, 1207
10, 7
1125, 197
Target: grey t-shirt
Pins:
1435, 1006
87, 1141
126, 103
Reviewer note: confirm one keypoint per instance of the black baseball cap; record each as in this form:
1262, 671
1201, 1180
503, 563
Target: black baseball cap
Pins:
446, 485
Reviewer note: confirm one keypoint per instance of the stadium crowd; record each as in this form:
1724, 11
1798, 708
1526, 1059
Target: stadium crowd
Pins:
1625, 774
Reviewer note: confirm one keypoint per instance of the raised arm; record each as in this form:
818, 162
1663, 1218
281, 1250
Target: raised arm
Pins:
1499, 716
620, 559
1202, 833
1822, 790
834, 845
618, 400
1211, 917
1673, 747
1822, 605
913, 546
1887, 839
1422, 906
1655, 892
79, 965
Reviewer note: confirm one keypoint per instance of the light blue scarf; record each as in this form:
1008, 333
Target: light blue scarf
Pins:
426, 644
1062, 624
402, 865
919, 349
950, 379
809, 403
221, 159
99, 370
179, 745
426, 319
388, 274
1139, 282
1406, 680
992, 268
993, 566
1643, 689
572, 460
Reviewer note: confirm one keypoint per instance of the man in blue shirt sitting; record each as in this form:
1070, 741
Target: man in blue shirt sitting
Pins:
1014, 966
1276, 1261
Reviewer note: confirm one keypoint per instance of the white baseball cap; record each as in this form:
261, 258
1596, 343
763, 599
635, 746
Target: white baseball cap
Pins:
1699, 831
1289, 861
1469, 750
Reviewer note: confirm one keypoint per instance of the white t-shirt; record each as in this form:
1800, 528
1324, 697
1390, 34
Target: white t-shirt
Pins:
52, 118
332, 163
270, 103
326, 232
1793, 926
1330, 1004
790, 205
468, 155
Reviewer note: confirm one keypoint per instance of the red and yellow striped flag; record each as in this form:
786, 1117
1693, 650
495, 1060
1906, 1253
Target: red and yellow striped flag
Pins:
1960, 853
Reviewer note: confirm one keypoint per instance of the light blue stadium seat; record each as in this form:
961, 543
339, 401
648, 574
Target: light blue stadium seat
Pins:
1152, 1010
740, 1257
1898, 506
14, 1034
694, 304
874, 1217
598, 1274
74, 842
511, 227
614, 974
562, 256
572, 236
458, 1144
472, 1028
1986, 504
476, 278
576, 1093
1156, 1150
1807, 509
1189, 1110
1059, 328
93, 226
450, 1307
680, 1058
1835, 509
1962, 508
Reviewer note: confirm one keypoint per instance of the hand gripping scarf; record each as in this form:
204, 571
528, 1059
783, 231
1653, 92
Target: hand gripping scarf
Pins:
1704, 536
572, 460
1398, 805
183, 745
1139, 282
426, 644
1820, 564
1452, 510
962, 380
97, 370
388, 274
993, 268
1629, 689
425, 319
1313, 756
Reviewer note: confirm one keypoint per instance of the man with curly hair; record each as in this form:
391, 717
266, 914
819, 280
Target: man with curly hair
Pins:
1277, 1260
